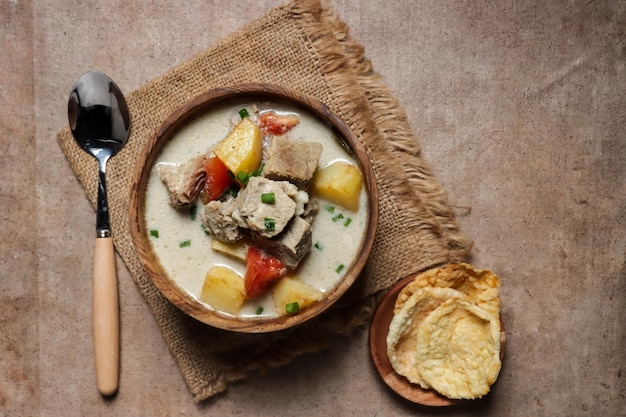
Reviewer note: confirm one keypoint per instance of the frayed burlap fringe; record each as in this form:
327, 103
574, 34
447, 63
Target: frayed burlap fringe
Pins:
312, 52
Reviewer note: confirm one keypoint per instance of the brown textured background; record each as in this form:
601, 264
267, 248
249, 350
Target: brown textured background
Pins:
520, 108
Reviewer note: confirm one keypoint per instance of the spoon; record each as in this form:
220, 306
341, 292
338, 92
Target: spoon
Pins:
100, 123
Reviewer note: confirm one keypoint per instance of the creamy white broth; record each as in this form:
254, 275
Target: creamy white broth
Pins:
334, 243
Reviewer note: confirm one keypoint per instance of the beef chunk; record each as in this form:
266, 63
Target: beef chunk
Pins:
256, 213
291, 246
184, 182
220, 220
292, 160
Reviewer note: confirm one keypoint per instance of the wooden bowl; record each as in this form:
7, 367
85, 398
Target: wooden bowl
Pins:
140, 234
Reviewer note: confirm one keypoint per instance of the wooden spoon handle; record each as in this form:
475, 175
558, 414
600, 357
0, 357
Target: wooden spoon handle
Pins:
106, 334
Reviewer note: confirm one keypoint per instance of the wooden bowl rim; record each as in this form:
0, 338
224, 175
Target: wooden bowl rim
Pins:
170, 126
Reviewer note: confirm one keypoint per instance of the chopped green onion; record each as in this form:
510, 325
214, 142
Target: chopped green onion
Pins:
243, 177
347, 222
268, 198
193, 211
243, 113
185, 243
338, 217
292, 308
318, 246
330, 209
259, 310
154, 233
270, 224
340, 268
229, 192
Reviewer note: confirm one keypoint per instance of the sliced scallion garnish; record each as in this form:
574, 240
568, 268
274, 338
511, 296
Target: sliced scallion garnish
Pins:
338, 217
268, 198
292, 308
185, 243
243, 113
154, 233
243, 177
229, 192
270, 224
340, 268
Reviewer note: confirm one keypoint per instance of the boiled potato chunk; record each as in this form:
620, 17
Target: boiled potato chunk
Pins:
340, 183
289, 290
237, 250
242, 149
223, 290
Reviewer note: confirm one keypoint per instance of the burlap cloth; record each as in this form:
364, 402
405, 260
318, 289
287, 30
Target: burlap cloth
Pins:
302, 45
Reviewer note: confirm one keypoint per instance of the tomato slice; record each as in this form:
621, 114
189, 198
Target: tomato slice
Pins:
217, 178
262, 271
277, 124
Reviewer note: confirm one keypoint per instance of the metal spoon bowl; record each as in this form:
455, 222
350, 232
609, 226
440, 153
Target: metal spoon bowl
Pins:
100, 123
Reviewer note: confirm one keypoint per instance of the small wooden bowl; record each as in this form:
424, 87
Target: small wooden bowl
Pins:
140, 235
379, 328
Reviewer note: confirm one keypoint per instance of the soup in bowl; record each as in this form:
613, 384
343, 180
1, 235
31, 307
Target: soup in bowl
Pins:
253, 208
